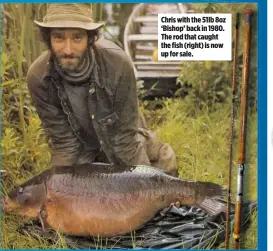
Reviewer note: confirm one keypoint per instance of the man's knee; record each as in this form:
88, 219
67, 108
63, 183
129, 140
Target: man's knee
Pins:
161, 155
167, 160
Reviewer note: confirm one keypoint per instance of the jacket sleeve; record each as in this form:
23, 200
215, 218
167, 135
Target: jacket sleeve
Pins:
127, 146
65, 146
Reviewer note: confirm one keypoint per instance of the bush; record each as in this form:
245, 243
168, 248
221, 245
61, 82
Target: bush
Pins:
208, 83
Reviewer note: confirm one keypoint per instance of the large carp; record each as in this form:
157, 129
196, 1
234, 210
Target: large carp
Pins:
100, 199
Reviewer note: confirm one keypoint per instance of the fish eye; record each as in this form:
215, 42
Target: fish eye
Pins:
20, 190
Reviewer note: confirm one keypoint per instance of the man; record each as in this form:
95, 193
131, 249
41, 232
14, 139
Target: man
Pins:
84, 91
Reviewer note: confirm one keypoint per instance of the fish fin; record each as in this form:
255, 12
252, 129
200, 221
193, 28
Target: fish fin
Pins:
42, 216
212, 206
42, 222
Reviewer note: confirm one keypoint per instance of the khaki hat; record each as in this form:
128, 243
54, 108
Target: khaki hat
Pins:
69, 16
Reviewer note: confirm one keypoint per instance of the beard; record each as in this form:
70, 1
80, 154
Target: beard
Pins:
71, 62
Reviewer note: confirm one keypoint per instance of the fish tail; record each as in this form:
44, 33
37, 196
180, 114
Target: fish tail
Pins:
212, 206
207, 193
209, 189
195, 192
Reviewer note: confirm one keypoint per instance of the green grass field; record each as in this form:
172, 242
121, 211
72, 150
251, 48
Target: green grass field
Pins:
201, 142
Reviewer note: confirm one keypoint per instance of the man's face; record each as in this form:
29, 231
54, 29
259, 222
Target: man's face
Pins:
69, 47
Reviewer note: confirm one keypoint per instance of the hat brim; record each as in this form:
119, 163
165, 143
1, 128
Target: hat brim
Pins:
70, 24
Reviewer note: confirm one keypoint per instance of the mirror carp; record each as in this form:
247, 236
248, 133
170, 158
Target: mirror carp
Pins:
103, 200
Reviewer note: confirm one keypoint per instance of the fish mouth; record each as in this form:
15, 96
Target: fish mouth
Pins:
7, 205
4, 205
11, 206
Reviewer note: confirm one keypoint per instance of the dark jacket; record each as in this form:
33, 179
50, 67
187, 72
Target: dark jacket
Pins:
112, 104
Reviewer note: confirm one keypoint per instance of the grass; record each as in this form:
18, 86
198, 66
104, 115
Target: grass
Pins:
201, 142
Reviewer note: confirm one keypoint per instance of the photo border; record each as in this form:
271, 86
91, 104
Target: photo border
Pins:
261, 93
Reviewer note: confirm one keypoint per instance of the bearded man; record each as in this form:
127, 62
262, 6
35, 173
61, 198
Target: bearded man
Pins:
84, 90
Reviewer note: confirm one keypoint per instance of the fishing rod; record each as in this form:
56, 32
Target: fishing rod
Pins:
232, 126
242, 144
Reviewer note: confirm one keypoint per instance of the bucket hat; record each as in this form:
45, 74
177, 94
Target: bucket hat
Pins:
69, 16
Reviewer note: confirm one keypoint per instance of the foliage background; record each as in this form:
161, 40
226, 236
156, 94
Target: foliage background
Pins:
196, 124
